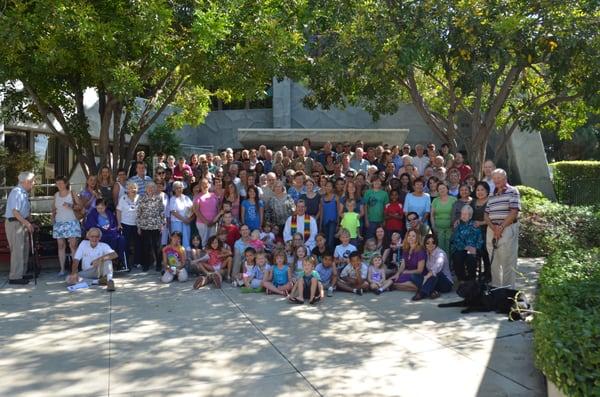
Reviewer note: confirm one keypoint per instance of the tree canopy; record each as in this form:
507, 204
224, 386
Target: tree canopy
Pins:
498, 65
178, 53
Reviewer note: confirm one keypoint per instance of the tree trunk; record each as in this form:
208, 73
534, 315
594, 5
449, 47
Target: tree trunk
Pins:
478, 152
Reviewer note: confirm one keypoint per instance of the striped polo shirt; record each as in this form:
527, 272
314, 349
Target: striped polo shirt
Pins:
501, 202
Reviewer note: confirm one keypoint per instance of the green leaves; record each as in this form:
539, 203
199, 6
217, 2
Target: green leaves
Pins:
169, 52
567, 336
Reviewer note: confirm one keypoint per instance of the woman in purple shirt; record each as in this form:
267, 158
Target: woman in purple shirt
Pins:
413, 263
437, 277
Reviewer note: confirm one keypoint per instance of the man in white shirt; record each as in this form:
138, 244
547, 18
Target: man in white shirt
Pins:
420, 161
358, 162
298, 223
96, 260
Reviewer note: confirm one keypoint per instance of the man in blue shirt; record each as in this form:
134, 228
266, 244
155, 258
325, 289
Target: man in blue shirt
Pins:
140, 178
18, 227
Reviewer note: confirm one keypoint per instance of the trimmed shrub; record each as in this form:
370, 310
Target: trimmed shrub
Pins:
546, 226
577, 182
567, 325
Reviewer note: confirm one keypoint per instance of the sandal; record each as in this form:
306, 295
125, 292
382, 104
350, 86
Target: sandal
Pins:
296, 301
315, 300
434, 295
417, 297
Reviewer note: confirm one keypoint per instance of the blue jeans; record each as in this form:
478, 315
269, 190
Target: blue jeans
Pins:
372, 228
328, 229
439, 283
185, 230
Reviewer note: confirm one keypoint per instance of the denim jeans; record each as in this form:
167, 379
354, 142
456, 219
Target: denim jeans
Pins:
372, 228
329, 230
438, 283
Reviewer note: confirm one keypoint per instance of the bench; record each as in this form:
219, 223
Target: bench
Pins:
4, 248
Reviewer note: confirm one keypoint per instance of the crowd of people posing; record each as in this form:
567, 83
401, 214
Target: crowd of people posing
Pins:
299, 223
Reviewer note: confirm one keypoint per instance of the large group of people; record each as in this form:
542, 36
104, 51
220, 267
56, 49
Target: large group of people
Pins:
296, 221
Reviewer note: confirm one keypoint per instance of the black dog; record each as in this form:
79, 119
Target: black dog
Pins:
478, 297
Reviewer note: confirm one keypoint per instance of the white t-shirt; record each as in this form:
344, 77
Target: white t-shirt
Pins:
344, 251
348, 271
86, 254
182, 205
128, 210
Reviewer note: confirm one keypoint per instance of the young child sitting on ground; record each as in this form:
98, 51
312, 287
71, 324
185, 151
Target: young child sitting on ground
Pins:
174, 260
353, 277
342, 251
253, 280
327, 273
278, 279
196, 254
217, 264
396, 253
376, 275
308, 285
298, 262
370, 250
248, 264
268, 237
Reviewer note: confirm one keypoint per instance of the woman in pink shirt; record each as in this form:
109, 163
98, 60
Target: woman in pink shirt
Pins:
206, 208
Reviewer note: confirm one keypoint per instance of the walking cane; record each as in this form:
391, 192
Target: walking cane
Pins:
34, 255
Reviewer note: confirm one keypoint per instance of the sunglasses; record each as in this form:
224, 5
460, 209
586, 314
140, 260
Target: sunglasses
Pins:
430, 242
160, 173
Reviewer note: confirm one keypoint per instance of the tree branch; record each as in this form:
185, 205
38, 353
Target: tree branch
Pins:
423, 109
56, 113
144, 126
500, 99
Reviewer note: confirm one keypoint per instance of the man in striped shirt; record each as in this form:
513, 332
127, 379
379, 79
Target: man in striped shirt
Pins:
501, 216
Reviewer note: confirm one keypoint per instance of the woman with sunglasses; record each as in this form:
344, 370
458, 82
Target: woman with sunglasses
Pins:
436, 278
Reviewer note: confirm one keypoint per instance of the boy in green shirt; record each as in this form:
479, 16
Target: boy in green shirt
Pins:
375, 200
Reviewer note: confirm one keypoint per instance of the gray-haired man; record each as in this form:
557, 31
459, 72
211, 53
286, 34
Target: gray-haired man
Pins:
18, 227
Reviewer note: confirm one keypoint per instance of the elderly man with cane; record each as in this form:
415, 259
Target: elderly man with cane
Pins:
19, 228
501, 217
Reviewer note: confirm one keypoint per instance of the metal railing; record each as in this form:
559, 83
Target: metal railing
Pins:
40, 191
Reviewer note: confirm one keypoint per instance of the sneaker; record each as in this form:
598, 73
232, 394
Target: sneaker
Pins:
234, 283
110, 286
330, 291
102, 281
378, 292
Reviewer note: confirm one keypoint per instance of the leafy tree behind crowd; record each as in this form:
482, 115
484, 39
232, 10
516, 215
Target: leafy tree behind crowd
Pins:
168, 52
493, 66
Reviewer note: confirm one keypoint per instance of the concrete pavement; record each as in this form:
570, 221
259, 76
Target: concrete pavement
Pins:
151, 339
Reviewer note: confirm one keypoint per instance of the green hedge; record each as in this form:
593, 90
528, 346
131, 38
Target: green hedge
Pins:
577, 182
567, 325
546, 225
